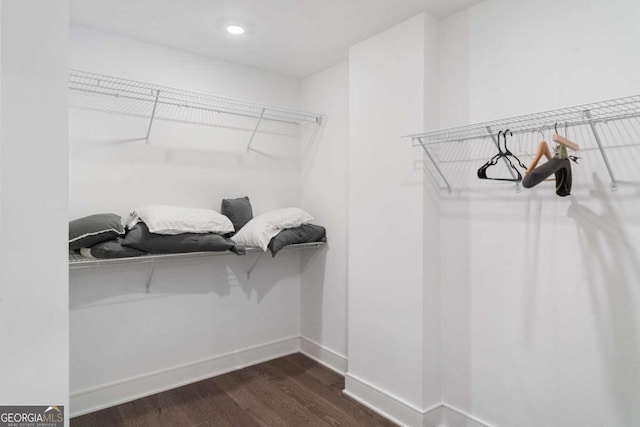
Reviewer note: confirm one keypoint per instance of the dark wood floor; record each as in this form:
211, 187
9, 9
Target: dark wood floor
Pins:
291, 391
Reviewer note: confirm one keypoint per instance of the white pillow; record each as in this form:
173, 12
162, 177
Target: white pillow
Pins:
261, 229
178, 220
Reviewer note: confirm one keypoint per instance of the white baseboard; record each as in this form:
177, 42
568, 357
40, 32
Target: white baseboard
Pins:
454, 417
433, 417
323, 355
404, 413
384, 403
107, 395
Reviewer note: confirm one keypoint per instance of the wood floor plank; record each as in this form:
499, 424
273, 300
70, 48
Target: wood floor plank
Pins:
293, 391
168, 411
138, 414
199, 409
324, 374
224, 409
265, 387
359, 414
110, 416
315, 403
239, 391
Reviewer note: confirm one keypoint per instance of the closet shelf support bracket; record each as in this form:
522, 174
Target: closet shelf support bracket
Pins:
435, 164
147, 287
153, 115
255, 130
254, 265
592, 125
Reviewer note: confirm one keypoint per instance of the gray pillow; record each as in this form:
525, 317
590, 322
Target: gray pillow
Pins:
90, 230
238, 211
113, 249
139, 237
306, 233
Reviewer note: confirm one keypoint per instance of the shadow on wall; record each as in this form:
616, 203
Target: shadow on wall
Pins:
609, 253
532, 277
121, 284
310, 138
313, 267
308, 260
134, 151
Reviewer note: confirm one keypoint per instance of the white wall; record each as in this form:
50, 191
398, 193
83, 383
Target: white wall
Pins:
432, 305
540, 293
184, 164
200, 317
33, 286
324, 192
137, 60
536, 294
387, 344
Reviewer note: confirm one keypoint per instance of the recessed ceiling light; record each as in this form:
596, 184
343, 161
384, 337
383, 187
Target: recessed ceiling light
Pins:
235, 29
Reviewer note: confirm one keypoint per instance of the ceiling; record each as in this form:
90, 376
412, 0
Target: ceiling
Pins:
292, 37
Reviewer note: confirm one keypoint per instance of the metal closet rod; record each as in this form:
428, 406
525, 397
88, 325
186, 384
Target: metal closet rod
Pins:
110, 85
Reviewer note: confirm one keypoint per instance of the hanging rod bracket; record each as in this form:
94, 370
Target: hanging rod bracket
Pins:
153, 115
255, 130
596, 135
435, 164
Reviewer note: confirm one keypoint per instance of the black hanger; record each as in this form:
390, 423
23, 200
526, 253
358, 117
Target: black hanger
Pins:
482, 172
507, 155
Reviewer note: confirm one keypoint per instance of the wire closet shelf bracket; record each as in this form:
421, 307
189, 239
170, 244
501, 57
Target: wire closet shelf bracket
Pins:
154, 102
79, 262
590, 118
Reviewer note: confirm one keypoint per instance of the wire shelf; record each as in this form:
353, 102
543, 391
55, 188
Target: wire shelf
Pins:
154, 102
598, 125
597, 112
77, 261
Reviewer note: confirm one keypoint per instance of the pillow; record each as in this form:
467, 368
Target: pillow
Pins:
86, 232
139, 237
163, 219
260, 230
238, 211
306, 233
111, 249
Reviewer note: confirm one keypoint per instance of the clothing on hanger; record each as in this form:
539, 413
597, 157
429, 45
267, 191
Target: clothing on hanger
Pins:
558, 165
543, 150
